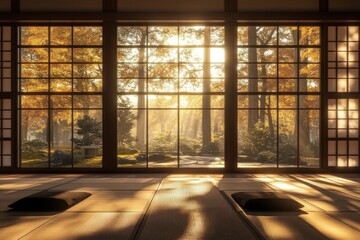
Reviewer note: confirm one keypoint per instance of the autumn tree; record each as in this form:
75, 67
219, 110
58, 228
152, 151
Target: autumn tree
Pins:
90, 131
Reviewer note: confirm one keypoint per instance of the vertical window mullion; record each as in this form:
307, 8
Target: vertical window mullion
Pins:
49, 110
231, 136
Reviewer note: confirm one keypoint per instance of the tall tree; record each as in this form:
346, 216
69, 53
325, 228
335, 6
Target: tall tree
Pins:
206, 104
253, 78
141, 118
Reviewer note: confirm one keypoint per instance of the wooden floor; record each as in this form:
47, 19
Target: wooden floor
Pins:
160, 206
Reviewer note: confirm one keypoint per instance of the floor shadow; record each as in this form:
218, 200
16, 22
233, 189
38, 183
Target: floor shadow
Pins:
292, 221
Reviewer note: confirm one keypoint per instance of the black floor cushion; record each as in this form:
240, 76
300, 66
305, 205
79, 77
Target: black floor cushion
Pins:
265, 201
49, 201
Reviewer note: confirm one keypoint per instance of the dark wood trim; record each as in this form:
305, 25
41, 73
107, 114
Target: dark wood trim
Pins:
231, 5
109, 5
231, 96
324, 98
330, 170
168, 16
15, 6
14, 100
110, 113
323, 5
109, 95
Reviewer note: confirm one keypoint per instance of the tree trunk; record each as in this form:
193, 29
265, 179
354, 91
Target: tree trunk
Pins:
303, 124
195, 127
271, 127
141, 118
24, 127
206, 114
253, 82
263, 97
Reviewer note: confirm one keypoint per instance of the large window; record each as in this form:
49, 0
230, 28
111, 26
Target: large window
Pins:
170, 96
60, 96
278, 96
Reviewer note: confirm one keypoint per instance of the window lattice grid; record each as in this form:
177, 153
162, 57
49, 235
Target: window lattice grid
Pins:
343, 132
5, 133
171, 80
343, 59
5, 101
278, 75
60, 96
5, 59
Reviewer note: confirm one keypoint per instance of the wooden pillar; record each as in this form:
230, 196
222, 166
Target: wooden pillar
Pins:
109, 96
231, 87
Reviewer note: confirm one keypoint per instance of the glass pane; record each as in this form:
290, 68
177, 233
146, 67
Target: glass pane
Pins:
87, 85
162, 85
287, 101
87, 70
60, 140
133, 35
34, 55
131, 70
34, 101
287, 85
217, 35
309, 35
131, 136
34, 36
287, 70
287, 139
60, 70
131, 101
162, 101
87, 101
60, 101
87, 55
34, 143
87, 35
309, 55
162, 70
288, 55
266, 35
191, 139
60, 35
193, 35
257, 138
87, 147
288, 35
130, 85
163, 35
309, 138
34, 70
193, 101
34, 85
60, 85
162, 135
60, 55
165, 55
131, 55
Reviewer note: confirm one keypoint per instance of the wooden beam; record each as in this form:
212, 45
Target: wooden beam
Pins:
231, 96
231, 5
15, 6
175, 17
109, 96
109, 5
323, 5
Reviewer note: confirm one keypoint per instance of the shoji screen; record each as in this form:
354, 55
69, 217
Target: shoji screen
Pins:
5, 99
343, 96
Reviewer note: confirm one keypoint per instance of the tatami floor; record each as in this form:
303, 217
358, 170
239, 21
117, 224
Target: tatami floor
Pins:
160, 206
